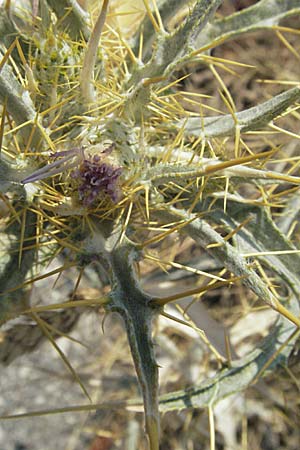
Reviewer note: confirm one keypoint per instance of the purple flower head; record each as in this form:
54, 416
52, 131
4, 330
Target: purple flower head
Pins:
95, 177
92, 175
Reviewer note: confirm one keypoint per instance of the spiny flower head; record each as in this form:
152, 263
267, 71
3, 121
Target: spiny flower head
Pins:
95, 177
92, 174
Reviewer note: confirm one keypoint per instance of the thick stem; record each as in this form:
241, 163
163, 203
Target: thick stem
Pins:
137, 311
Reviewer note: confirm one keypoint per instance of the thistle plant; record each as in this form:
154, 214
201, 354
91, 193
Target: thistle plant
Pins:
105, 158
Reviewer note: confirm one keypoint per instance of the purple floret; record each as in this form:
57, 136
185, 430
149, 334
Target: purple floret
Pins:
94, 178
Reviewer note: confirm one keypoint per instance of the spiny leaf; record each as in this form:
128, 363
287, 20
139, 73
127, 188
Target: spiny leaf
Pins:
210, 240
248, 120
273, 351
14, 300
170, 48
72, 17
261, 235
167, 10
264, 14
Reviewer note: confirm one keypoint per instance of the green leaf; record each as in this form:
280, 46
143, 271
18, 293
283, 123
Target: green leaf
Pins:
275, 349
172, 49
290, 214
261, 235
248, 120
167, 10
13, 268
210, 240
74, 19
8, 29
19, 105
264, 14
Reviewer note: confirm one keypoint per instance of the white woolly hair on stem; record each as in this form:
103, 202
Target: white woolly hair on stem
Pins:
86, 77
